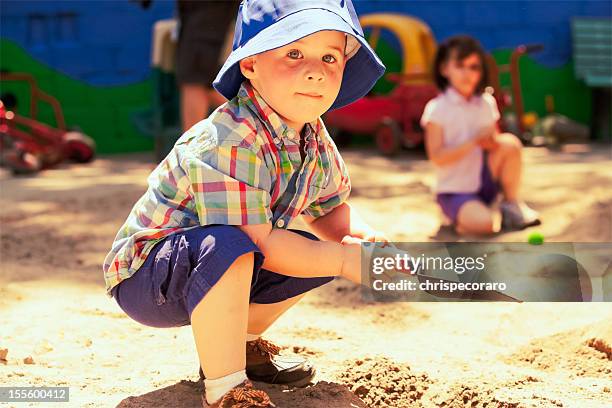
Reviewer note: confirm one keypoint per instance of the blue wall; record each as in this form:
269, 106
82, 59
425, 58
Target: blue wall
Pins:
101, 42
109, 42
501, 24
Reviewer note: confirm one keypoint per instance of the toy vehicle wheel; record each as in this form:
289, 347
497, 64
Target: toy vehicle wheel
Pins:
389, 137
79, 147
21, 162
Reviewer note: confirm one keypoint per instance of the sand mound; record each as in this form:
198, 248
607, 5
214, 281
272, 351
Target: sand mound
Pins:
464, 395
187, 394
584, 352
321, 395
381, 382
593, 222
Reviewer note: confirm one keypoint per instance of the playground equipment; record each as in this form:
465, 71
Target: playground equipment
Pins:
592, 54
27, 145
551, 129
166, 128
512, 98
393, 118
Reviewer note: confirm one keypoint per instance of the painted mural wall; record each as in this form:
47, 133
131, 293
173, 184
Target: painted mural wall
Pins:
95, 56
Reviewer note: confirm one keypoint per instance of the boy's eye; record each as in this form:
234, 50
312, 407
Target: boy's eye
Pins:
295, 54
331, 58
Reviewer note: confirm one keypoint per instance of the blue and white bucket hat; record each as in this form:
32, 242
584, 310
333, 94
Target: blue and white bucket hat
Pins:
263, 25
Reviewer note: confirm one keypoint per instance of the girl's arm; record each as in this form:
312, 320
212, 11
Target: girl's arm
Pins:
440, 155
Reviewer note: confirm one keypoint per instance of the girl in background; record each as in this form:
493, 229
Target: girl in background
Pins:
474, 162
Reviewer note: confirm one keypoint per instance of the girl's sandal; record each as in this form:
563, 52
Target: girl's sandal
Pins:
241, 396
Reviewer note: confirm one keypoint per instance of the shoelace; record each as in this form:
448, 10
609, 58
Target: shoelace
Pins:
246, 397
264, 346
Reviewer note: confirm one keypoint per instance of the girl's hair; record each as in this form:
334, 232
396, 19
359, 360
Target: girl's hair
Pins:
463, 46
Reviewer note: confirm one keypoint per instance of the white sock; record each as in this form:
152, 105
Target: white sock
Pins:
216, 388
251, 337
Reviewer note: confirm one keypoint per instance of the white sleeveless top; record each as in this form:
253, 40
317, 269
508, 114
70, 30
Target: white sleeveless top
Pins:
460, 119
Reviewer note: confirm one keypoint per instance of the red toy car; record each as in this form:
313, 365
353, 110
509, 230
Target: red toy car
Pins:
393, 118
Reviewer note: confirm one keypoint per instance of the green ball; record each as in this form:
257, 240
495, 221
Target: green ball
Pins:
535, 238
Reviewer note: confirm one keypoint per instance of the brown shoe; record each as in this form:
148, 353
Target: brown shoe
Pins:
264, 364
241, 396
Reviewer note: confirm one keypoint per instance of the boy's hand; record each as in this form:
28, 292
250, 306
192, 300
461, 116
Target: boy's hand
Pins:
374, 236
349, 239
352, 262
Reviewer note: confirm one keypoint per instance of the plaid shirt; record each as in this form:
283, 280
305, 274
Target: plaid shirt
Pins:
241, 165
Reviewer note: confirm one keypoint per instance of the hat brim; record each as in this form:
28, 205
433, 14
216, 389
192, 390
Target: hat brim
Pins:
361, 72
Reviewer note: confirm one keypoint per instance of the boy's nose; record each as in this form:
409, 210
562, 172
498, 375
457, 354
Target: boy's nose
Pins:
315, 76
314, 73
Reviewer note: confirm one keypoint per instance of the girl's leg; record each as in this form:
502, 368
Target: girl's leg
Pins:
219, 321
505, 162
506, 166
475, 217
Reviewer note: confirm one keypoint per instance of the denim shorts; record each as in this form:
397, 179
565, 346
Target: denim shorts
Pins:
183, 267
489, 189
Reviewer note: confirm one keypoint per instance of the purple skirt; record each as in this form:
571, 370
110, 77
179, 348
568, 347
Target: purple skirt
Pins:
489, 189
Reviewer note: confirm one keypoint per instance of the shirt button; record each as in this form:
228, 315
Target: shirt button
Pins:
280, 223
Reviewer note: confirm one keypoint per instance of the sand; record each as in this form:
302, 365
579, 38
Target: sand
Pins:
57, 327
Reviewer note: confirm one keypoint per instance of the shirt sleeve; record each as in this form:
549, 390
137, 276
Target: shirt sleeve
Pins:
431, 113
230, 183
336, 191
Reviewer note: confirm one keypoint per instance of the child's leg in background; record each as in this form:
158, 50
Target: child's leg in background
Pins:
471, 212
502, 167
505, 162
475, 217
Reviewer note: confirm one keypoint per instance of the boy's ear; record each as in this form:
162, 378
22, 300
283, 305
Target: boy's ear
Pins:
247, 67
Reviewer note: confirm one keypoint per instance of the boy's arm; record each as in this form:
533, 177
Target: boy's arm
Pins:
292, 254
343, 220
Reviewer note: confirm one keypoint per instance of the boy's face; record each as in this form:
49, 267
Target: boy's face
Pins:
301, 80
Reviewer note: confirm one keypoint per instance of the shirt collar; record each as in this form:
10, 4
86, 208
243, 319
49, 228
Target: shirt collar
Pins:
279, 129
456, 97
